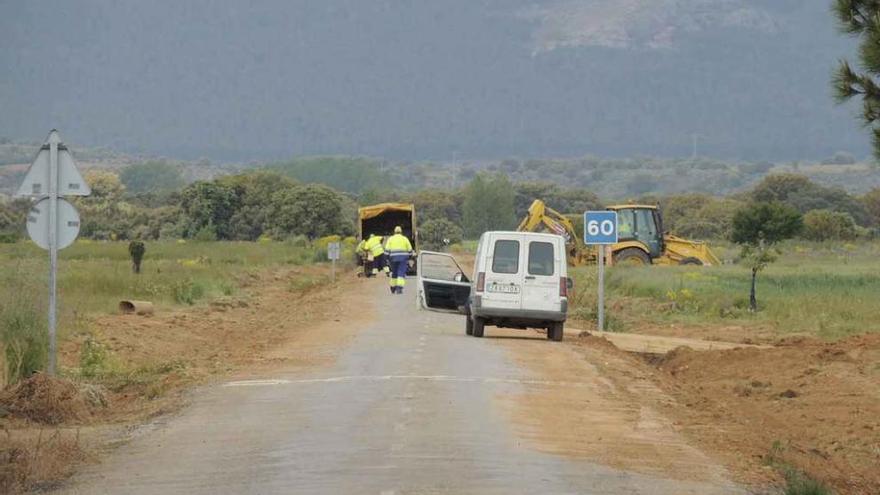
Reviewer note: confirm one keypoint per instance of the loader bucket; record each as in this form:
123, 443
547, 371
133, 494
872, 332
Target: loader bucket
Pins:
684, 251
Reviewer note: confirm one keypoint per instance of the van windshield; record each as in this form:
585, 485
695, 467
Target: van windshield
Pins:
540, 258
506, 257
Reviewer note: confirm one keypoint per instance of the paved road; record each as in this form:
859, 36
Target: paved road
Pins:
406, 408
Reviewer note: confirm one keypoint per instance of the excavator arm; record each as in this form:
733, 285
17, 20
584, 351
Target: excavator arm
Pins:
542, 218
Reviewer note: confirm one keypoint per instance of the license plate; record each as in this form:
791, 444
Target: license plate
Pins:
504, 289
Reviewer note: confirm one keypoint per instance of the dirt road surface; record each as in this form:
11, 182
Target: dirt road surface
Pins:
412, 405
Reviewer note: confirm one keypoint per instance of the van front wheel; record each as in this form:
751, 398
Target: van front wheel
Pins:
479, 326
555, 331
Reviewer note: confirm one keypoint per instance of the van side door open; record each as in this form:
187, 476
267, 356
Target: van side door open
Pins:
442, 284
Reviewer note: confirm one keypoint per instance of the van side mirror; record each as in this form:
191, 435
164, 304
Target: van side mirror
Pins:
569, 283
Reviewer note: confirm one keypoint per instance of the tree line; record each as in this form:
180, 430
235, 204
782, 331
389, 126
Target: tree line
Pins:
150, 201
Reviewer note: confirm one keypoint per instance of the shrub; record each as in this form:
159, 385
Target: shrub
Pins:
827, 225
93, 358
797, 483
438, 233
206, 234
187, 292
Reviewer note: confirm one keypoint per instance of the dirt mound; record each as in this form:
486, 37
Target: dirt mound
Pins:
44, 399
806, 403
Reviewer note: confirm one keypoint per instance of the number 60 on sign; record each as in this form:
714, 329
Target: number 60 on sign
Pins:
600, 227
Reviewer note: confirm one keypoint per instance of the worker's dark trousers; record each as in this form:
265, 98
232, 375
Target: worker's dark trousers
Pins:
381, 262
399, 265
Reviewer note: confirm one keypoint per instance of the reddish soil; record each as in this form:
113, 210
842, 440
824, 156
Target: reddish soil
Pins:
806, 403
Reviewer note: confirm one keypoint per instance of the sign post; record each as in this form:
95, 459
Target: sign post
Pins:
53, 223
333, 252
600, 230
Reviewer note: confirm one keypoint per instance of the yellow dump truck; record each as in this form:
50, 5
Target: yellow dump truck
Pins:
642, 240
382, 218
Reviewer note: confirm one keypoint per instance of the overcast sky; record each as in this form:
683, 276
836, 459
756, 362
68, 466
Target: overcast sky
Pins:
235, 80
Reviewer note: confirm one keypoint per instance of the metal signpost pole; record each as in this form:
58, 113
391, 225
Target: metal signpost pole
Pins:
601, 309
53, 245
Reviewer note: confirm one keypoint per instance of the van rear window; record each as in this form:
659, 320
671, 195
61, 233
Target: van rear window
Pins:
540, 258
506, 257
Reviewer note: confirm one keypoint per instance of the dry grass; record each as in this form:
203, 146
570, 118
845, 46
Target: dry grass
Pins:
36, 460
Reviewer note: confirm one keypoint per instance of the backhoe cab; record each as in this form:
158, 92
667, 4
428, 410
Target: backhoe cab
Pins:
641, 238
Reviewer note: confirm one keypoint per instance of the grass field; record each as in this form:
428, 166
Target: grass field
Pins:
826, 290
94, 276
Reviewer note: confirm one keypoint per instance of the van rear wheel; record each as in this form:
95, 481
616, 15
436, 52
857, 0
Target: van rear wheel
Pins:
555, 331
479, 325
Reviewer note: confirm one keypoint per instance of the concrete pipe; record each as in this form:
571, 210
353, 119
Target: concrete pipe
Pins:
127, 307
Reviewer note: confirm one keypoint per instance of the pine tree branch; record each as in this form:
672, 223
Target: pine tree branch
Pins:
845, 82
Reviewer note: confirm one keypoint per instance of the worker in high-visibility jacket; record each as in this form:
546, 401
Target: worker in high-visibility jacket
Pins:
361, 252
399, 250
375, 254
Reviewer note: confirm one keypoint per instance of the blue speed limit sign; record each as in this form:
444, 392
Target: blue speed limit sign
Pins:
600, 227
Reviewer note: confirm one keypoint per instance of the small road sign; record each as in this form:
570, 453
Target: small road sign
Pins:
67, 226
333, 251
600, 227
600, 230
70, 182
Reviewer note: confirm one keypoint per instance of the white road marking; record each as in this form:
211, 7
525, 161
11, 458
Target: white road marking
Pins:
256, 383
385, 378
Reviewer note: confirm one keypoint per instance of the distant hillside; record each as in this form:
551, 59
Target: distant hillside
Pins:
15, 157
608, 178
619, 179
235, 81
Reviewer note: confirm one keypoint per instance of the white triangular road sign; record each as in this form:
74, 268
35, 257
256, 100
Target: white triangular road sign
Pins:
70, 182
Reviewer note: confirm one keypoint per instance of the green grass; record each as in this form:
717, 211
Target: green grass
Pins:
826, 290
23, 336
94, 276
796, 481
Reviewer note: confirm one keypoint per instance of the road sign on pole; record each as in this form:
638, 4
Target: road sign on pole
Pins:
70, 182
333, 252
600, 230
53, 223
600, 227
67, 226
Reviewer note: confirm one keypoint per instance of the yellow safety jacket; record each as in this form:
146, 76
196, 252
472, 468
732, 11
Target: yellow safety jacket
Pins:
361, 247
398, 246
374, 246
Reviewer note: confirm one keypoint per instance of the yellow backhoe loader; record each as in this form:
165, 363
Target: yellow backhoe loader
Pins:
642, 241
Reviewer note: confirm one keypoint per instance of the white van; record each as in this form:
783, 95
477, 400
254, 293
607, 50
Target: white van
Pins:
520, 280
